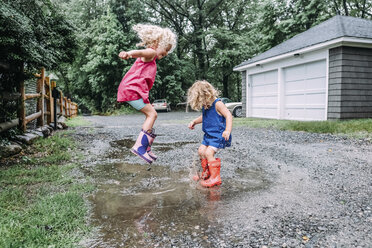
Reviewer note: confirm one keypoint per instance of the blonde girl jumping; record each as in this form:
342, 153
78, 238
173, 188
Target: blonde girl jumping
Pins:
138, 81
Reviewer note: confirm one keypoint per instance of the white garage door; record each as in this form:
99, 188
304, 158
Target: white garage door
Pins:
264, 95
305, 91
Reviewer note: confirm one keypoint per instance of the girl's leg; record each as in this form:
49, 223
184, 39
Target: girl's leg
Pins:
201, 151
204, 164
142, 147
151, 116
214, 166
209, 154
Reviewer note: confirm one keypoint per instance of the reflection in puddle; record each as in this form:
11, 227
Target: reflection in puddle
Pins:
135, 207
128, 143
123, 146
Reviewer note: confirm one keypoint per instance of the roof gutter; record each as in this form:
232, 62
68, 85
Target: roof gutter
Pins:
343, 41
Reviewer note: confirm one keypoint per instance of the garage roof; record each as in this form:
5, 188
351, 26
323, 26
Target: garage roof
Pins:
335, 27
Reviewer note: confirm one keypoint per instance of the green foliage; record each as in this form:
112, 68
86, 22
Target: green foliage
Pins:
129, 13
281, 20
172, 74
35, 33
98, 69
357, 8
230, 48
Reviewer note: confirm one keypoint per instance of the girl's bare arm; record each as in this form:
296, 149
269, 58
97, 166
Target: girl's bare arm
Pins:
221, 108
147, 54
195, 121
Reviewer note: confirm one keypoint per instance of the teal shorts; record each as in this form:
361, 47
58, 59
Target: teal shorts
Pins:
137, 104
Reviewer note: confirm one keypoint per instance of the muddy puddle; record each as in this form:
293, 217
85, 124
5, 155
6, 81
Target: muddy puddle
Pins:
122, 147
138, 207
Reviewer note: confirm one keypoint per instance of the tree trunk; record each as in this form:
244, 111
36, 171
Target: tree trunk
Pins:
200, 54
225, 82
345, 7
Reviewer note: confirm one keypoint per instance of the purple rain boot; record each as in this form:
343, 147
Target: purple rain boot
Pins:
151, 140
141, 145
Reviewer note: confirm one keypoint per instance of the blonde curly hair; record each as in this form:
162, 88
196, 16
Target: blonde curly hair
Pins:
155, 36
200, 94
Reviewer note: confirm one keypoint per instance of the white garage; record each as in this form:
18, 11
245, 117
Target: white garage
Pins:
323, 73
305, 91
295, 92
264, 94
294, 89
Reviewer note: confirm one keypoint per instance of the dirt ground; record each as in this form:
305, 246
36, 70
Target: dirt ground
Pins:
279, 188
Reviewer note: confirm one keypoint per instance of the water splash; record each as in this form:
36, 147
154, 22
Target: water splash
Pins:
195, 168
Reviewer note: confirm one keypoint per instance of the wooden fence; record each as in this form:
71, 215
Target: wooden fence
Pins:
45, 104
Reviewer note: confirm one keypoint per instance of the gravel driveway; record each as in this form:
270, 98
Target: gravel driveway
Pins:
279, 188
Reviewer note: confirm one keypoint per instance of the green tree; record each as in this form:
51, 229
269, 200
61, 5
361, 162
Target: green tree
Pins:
230, 42
33, 34
190, 19
357, 8
37, 36
98, 71
171, 72
281, 20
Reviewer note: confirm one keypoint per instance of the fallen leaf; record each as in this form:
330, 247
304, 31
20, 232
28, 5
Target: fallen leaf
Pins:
305, 238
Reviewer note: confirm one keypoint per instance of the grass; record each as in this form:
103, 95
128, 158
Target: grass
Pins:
359, 128
124, 110
41, 199
78, 121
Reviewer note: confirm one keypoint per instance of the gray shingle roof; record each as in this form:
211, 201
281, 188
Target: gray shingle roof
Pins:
335, 27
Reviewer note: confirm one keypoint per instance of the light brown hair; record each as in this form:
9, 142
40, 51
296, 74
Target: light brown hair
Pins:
155, 36
200, 94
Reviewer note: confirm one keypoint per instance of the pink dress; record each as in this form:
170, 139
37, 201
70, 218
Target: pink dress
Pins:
138, 81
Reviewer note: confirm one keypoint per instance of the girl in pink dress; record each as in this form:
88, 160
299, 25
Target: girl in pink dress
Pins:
138, 81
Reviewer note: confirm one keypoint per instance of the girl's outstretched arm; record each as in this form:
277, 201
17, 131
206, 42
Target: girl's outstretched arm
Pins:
147, 54
221, 108
195, 121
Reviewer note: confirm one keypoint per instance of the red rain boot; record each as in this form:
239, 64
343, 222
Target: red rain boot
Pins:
215, 178
205, 173
140, 147
151, 140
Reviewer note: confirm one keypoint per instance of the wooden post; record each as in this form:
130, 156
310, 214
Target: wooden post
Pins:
61, 102
40, 101
52, 85
65, 100
69, 107
48, 92
73, 109
21, 107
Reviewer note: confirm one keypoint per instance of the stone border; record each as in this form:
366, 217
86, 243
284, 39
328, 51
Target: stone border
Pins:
19, 141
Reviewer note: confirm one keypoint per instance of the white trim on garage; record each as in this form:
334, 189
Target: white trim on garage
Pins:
327, 84
247, 91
